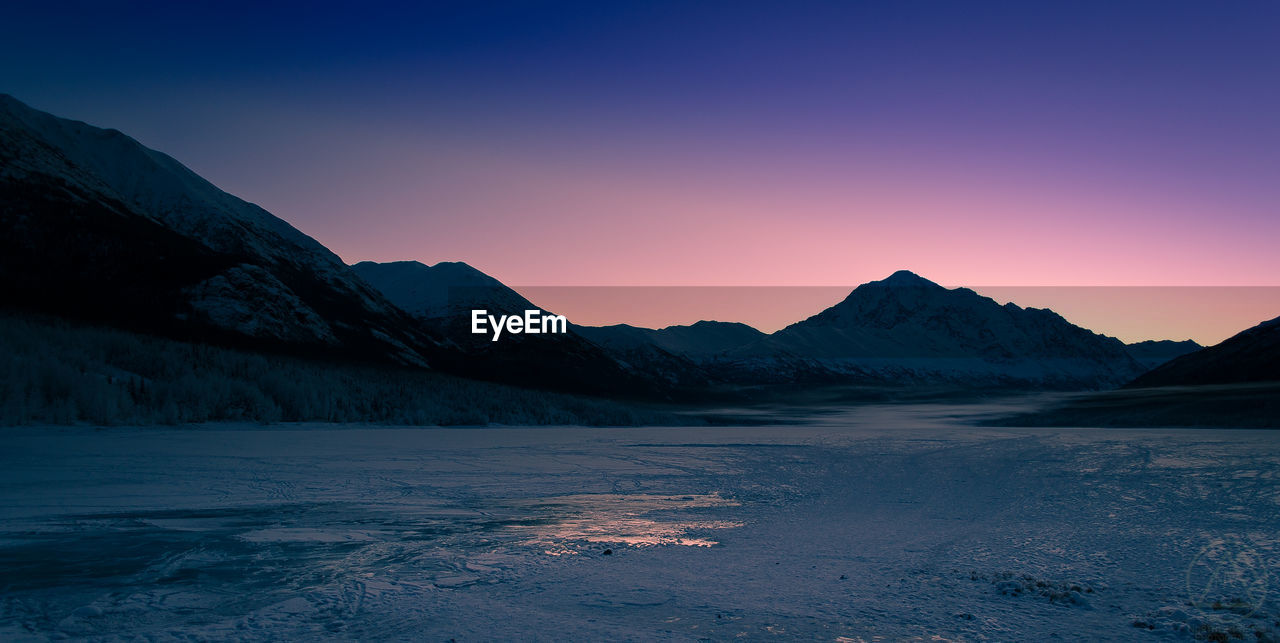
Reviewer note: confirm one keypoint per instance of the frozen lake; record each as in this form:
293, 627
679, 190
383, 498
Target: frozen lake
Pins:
886, 523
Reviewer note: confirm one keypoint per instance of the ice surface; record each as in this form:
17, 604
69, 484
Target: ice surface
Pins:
891, 522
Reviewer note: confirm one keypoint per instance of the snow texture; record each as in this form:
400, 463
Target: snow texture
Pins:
907, 323
250, 301
109, 163
881, 523
903, 329
273, 262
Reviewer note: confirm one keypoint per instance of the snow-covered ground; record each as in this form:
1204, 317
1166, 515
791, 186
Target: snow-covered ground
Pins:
882, 523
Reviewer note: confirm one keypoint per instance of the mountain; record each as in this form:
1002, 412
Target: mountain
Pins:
900, 330
1252, 355
94, 225
441, 297
698, 340
1234, 384
1152, 353
97, 226
908, 329
446, 289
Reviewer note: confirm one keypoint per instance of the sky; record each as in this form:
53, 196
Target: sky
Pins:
1012, 144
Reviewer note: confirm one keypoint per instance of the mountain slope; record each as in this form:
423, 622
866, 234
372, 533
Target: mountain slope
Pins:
445, 289
107, 162
1152, 353
96, 225
1253, 355
907, 328
441, 298
700, 339
900, 330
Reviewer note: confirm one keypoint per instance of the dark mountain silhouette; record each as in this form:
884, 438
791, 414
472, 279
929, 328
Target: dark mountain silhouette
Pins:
446, 289
1233, 384
441, 297
1252, 355
97, 226
700, 339
1152, 353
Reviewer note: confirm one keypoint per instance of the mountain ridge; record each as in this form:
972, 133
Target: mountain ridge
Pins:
907, 329
1154, 352
908, 326
439, 290
441, 297
154, 244
103, 228
95, 226
1252, 355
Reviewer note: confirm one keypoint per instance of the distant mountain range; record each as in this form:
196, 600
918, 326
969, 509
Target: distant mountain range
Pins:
902, 329
1232, 384
1252, 355
908, 327
701, 340
95, 226
1153, 353
441, 297
898, 330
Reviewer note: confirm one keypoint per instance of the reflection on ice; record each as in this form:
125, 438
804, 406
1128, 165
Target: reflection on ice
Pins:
389, 534
619, 518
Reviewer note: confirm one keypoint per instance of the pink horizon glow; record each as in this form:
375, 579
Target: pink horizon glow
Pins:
686, 144
1207, 315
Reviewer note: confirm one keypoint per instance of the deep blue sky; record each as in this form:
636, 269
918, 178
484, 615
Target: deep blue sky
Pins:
1014, 143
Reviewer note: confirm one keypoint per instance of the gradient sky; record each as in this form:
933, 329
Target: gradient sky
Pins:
695, 143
